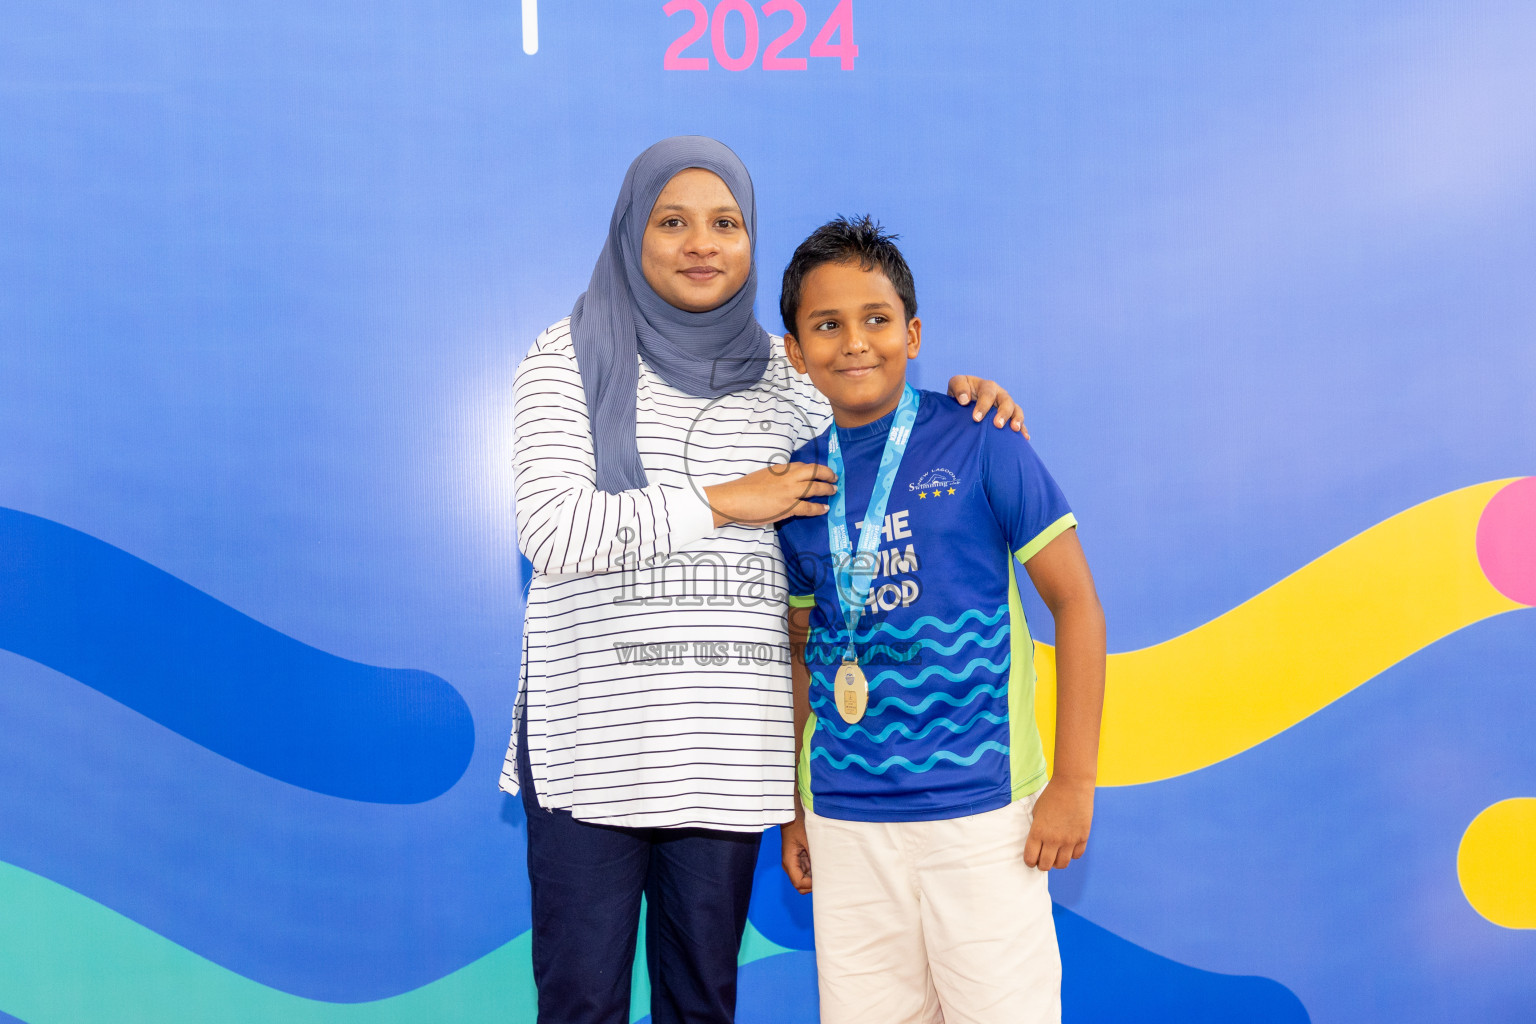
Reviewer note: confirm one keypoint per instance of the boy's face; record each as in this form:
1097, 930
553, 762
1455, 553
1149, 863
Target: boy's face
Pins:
853, 338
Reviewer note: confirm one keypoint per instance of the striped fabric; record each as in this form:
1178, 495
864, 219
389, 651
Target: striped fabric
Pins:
655, 676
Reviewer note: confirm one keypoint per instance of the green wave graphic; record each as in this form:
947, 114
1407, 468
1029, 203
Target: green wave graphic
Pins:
66, 959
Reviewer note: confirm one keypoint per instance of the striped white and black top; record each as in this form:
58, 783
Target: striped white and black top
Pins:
655, 676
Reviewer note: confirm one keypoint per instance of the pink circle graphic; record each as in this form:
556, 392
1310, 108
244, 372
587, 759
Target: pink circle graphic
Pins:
1506, 541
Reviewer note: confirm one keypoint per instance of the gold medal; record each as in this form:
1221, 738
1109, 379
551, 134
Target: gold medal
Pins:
856, 565
851, 691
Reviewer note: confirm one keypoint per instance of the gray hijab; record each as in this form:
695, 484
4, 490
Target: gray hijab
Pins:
620, 315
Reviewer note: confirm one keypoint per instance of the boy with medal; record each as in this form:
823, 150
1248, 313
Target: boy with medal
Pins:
923, 807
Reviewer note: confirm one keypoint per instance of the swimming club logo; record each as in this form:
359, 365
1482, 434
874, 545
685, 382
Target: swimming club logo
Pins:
936, 483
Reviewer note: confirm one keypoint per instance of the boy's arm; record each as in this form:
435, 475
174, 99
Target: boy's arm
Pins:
796, 852
1064, 811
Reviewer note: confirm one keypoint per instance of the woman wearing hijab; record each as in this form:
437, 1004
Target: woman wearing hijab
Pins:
653, 741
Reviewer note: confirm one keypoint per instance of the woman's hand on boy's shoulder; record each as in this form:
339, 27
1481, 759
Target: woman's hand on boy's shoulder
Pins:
988, 394
774, 492
1063, 818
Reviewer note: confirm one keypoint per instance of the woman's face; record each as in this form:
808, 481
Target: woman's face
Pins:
696, 253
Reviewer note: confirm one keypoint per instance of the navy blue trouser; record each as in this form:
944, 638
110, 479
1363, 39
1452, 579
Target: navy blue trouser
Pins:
587, 880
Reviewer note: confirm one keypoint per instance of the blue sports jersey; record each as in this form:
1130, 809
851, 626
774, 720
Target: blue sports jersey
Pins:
950, 727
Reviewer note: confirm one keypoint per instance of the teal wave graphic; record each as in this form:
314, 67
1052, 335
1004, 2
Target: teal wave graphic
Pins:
892, 675
928, 644
880, 632
917, 767
997, 690
973, 639
899, 728
54, 937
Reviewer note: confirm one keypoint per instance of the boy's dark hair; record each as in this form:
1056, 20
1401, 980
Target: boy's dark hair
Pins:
843, 240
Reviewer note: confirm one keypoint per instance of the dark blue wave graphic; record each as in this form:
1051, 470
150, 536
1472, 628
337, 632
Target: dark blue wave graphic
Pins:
220, 678
1105, 978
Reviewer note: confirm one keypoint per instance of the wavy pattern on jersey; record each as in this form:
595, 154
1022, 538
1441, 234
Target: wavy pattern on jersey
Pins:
842, 732
918, 767
836, 641
1326, 629
923, 675
997, 690
880, 632
221, 679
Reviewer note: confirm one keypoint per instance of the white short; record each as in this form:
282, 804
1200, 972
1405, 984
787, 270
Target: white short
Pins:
922, 922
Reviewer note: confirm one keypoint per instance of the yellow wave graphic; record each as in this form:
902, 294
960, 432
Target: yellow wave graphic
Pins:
1291, 650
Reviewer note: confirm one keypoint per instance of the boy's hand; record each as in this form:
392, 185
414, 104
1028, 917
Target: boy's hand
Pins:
797, 855
988, 394
1063, 816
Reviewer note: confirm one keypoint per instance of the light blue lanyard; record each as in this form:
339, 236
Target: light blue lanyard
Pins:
854, 571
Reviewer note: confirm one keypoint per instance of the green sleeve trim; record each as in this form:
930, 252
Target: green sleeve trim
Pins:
1042, 538
807, 601
803, 766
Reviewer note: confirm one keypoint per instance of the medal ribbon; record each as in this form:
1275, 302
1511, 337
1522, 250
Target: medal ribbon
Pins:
854, 570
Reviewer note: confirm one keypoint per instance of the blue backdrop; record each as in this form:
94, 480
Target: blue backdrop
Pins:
1260, 275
